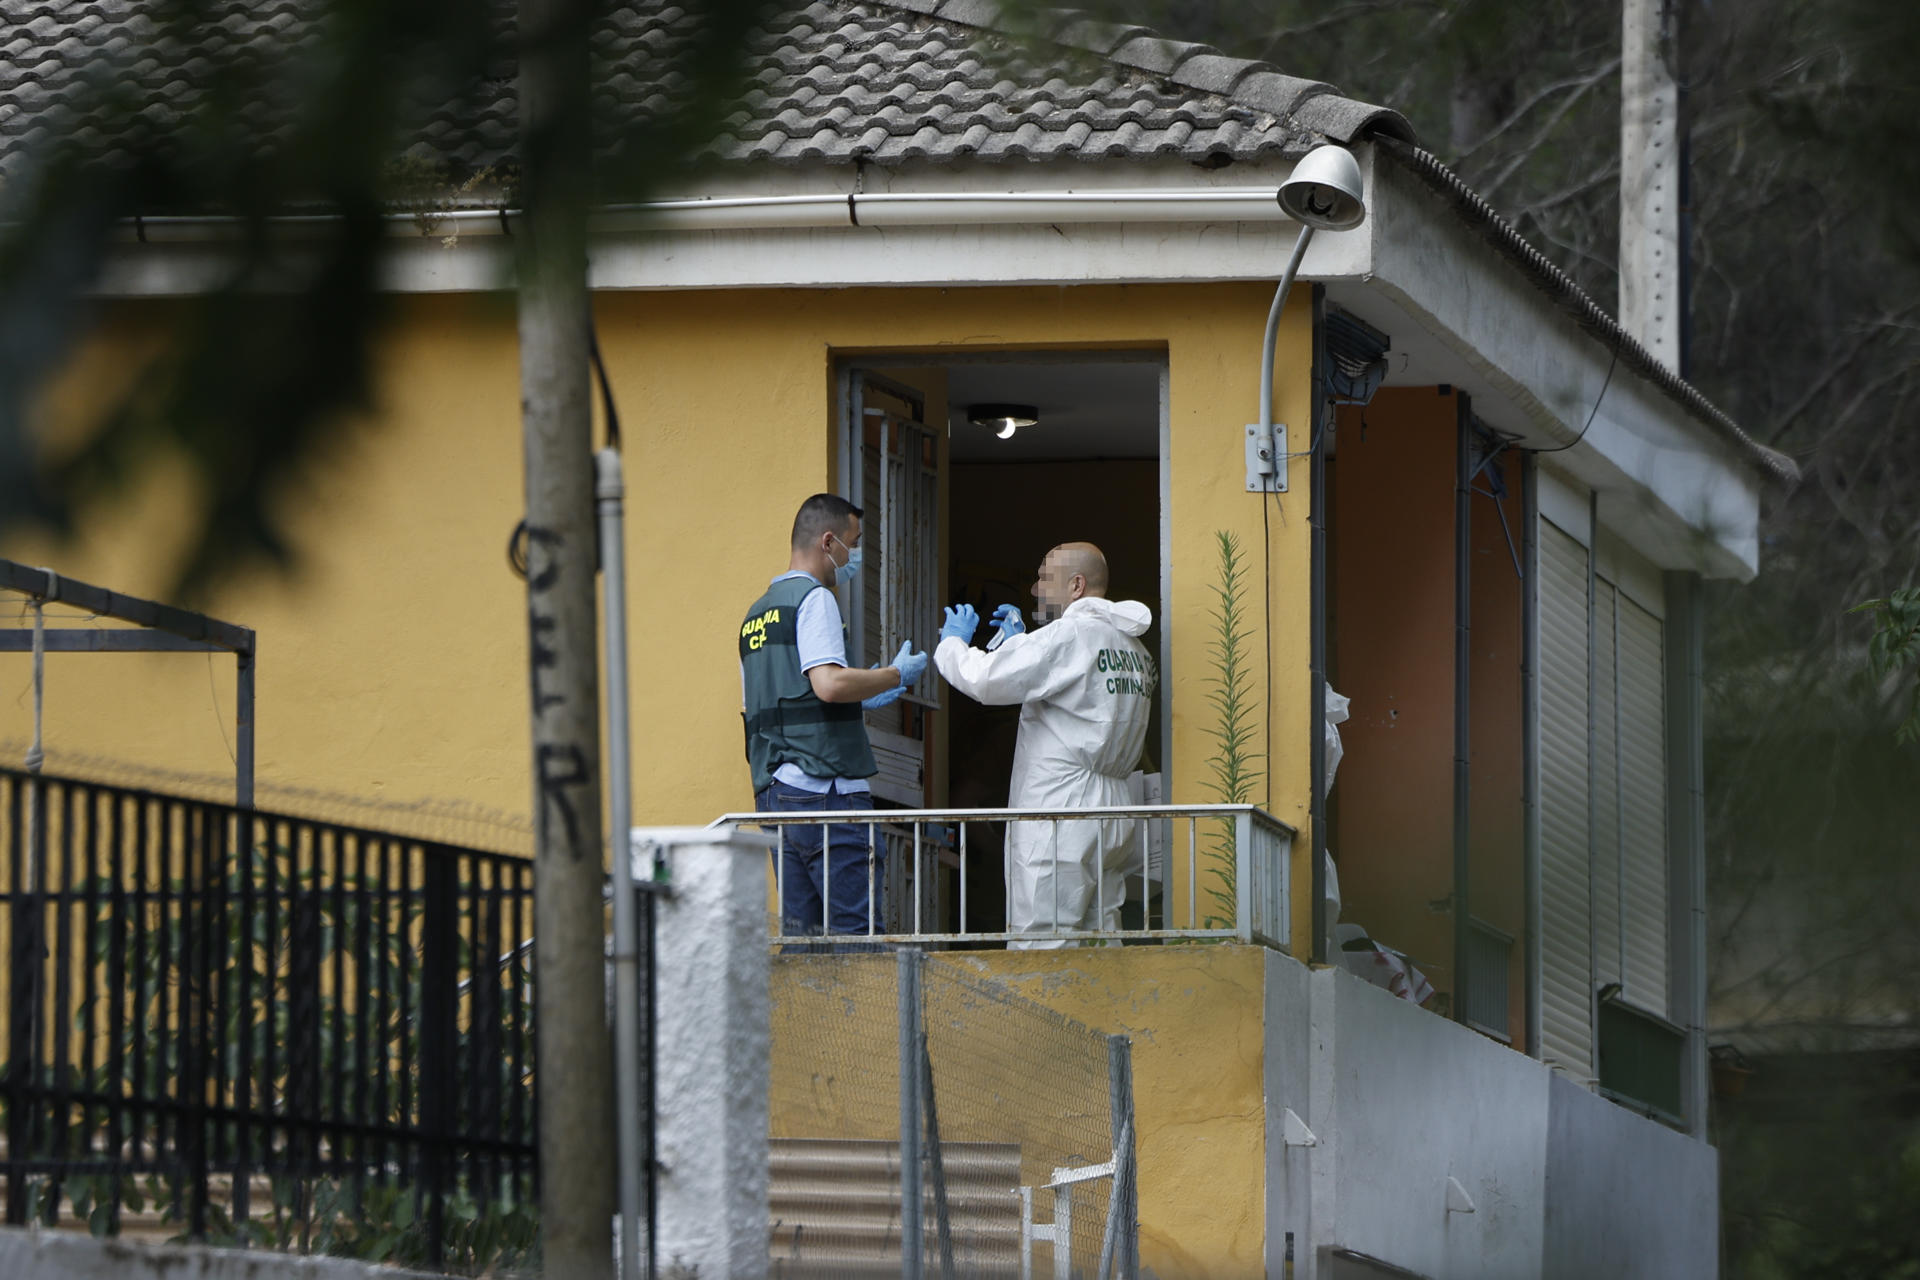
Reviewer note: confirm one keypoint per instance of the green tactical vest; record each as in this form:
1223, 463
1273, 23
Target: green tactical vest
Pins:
787, 723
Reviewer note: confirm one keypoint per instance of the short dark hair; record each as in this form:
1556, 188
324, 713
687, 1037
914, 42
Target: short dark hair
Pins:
822, 513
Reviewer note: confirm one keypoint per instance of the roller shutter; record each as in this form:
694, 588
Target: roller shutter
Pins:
1643, 808
1566, 1030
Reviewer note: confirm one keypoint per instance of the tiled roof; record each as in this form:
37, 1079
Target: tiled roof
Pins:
828, 82
920, 81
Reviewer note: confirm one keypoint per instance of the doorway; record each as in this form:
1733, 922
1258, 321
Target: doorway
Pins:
1091, 468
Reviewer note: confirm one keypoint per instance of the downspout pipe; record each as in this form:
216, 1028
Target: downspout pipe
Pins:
1462, 705
1317, 622
1530, 750
630, 1145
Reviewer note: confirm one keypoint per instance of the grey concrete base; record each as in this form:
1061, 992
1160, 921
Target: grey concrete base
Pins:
29, 1254
712, 1084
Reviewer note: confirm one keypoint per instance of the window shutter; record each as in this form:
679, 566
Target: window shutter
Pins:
1566, 1031
1643, 788
1609, 919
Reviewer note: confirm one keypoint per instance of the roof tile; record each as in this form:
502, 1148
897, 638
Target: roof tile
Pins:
825, 81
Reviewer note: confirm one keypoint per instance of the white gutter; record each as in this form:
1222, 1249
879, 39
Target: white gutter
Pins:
733, 213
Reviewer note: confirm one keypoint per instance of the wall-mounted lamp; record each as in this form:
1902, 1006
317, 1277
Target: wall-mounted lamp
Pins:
1323, 193
1003, 419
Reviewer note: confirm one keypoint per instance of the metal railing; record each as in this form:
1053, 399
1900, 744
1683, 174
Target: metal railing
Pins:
1218, 871
280, 1032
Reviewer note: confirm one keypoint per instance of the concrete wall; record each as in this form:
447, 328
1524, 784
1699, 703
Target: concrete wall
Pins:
63, 1255
1626, 1196
1406, 1101
1227, 1039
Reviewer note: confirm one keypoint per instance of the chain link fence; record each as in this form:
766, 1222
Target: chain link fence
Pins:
928, 1121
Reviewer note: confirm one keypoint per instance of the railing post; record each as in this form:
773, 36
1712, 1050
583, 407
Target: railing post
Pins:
1243, 874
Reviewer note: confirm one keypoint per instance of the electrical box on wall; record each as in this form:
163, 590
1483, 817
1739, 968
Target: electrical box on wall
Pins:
1266, 459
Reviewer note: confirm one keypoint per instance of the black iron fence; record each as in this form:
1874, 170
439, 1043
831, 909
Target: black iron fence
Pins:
238, 1026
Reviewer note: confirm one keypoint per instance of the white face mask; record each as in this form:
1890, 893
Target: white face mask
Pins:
845, 573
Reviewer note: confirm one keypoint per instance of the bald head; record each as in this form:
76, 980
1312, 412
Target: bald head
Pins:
1084, 559
1071, 571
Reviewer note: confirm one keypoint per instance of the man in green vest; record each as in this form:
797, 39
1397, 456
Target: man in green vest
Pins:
806, 739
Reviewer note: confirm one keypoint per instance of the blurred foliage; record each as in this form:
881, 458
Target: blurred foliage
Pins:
1803, 260
1895, 650
1804, 269
353, 108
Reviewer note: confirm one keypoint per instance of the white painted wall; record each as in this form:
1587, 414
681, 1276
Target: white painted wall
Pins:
1626, 1196
1562, 1182
1288, 1081
1411, 1099
712, 1075
1535, 372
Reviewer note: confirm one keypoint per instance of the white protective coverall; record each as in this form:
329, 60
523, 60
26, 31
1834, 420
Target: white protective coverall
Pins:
1086, 686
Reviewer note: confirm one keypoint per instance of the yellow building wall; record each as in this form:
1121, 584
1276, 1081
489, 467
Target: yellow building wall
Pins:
392, 661
1195, 1016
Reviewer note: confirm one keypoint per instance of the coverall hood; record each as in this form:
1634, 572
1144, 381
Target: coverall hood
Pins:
1128, 617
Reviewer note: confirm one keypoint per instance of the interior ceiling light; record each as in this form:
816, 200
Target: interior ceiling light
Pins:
1003, 419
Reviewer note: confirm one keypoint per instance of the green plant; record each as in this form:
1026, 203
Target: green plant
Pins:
1237, 767
1896, 647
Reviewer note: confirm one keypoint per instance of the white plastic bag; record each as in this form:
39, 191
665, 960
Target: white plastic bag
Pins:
1335, 708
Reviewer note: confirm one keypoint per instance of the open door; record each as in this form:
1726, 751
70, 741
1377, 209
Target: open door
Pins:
891, 464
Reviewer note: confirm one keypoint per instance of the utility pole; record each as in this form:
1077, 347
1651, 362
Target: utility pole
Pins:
1650, 180
575, 1052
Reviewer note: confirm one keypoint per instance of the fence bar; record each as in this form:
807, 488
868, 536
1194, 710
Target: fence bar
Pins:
937, 1162
439, 990
1123, 1205
911, 1228
197, 998
20, 1003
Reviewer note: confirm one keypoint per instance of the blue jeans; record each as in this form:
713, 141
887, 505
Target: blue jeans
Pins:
801, 867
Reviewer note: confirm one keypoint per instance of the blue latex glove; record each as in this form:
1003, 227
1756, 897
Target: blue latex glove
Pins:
879, 700
911, 665
1007, 620
962, 621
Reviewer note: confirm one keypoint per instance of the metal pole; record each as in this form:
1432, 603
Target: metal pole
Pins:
1317, 625
1593, 785
574, 1050
1462, 700
609, 492
1124, 1200
243, 730
1530, 730
911, 1231
943, 1225
1272, 336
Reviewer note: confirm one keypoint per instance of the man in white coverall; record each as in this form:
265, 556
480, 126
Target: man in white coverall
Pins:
1085, 684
